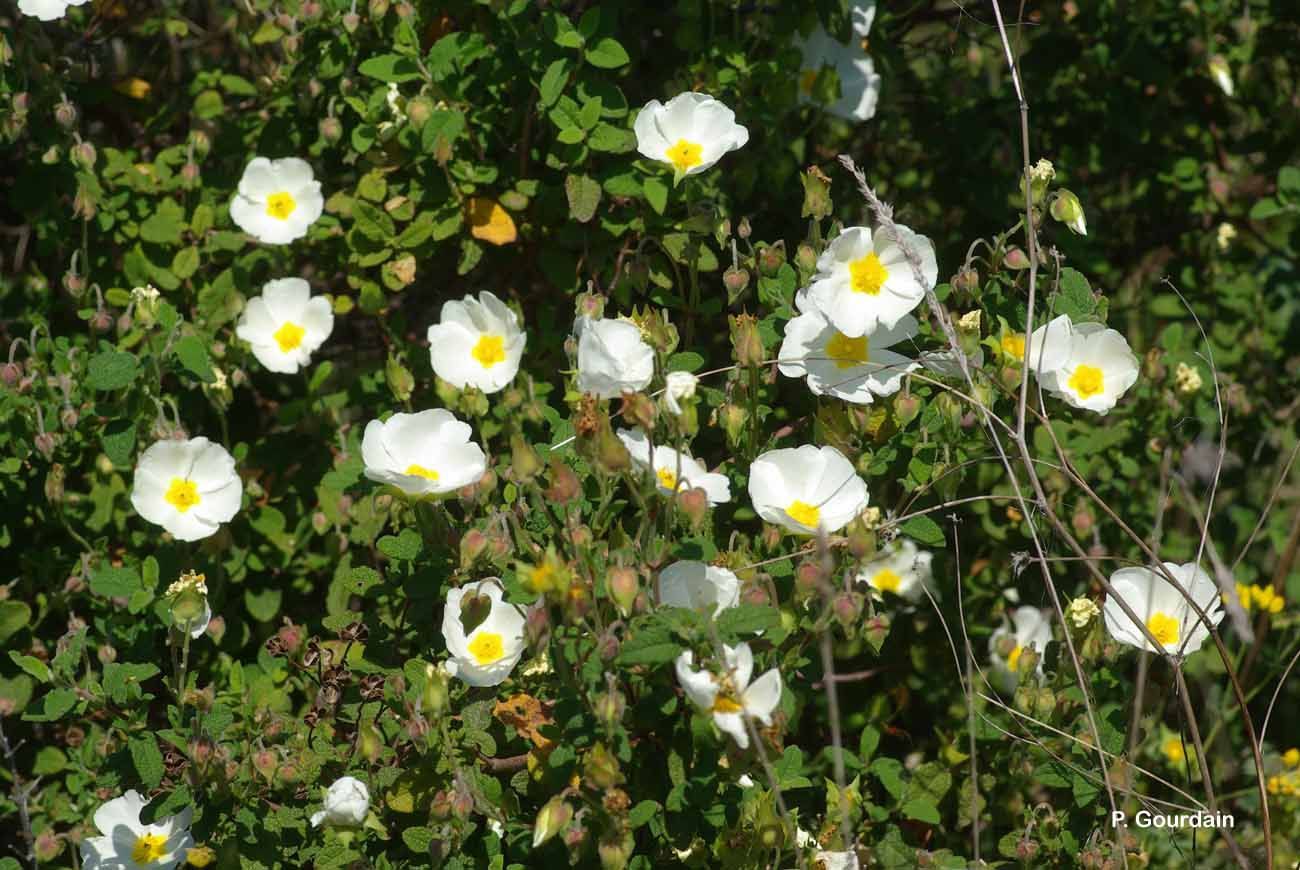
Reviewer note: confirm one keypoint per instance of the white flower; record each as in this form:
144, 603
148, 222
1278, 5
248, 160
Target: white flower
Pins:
1099, 369
1081, 611
1043, 171
1162, 608
346, 804
286, 324
731, 698
1049, 346
900, 568
277, 200
1033, 628
678, 386
428, 453
48, 10
1221, 73
859, 82
691, 132
487, 654
477, 343
697, 586
835, 861
852, 369
863, 281
127, 843
188, 487
675, 471
806, 489
613, 359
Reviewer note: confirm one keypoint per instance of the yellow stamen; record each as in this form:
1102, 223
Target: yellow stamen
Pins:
847, 352
1013, 345
415, 470
685, 155
280, 205
887, 581
667, 479
182, 494
288, 336
1173, 750
1013, 660
804, 514
149, 848
1163, 627
487, 647
1087, 381
867, 275
490, 350
723, 704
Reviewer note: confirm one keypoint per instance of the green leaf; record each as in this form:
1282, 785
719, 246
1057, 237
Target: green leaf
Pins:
32, 665
748, 619
113, 582
165, 225
390, 68
583, 193
923, 530
607, 53
1075, 297
611, 139
147, 758
262, 605
112, 370
922, 811
403, 548
656, 193
372, 221
553, 82
186, 262
118, 442
685, 361
52, 706
193, 354
14, 616
642, 813
868, 743
890, 773
1266, 208
418, 840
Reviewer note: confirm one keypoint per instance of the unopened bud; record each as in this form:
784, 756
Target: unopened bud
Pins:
525, 464
623, 588
609, 707
564, 484
351, 21
847, 608
83, 155
639, 408
694, 504
472, 545
746, 342
600, 768
805, 258
65, 114
552, 818
736, 281
743, 229
400, 380
45, 443
331, 129
906, 407
1067, 209
966, 280
615, 849
770, 259
1016, 259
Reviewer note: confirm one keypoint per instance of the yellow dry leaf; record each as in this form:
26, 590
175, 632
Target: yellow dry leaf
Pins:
490, 222
525, 714
136, 89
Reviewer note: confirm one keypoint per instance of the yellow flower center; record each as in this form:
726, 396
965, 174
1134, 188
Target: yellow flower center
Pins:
867, 275
149, 848
1173, 750
415, 470
1013, 660
487, 647
684, 155
182, 494
280, 205
807, 79
1291, 758
288, 336
725, 704
804, 514
847, 352
887, 581
1087, 381
1013, 345
490, 350
1163, 627
667, 479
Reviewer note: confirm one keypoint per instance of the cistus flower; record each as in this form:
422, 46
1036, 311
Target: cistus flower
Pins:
690, 132
477, 343
1067, 209
901, 569
48, 10
1099, 369
129, 843
486, 653
1030, 628
730, 698
613, 358
1049, 347
864, 281
678, 386
852, 369
188, 487
278, 200
835, 861
429, 453
859, 82
347, 801
286, 324
807, 489
697, 586
673, 470
1161, 607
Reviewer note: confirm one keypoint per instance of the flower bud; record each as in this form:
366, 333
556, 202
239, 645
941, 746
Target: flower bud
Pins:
552, 818
610, 453
639, 408
400, 380
876, 630
351, 21
564, 484
65, 114
1067, 209
736, 281
694, 504
743, 229
770, 259
847, 608
609, 707
816, 194
615, 849
524, 461
733, 419
746, 342
906, 407
1016, 259
966, 281
83, 155
623, 586
472, 545
600, 768
45, 443
264, 761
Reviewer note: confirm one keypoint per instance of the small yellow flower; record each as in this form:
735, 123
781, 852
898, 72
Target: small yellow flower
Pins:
1291, 758
1187, 379
1082, 611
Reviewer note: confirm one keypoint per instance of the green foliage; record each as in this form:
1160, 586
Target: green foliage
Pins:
464, 147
